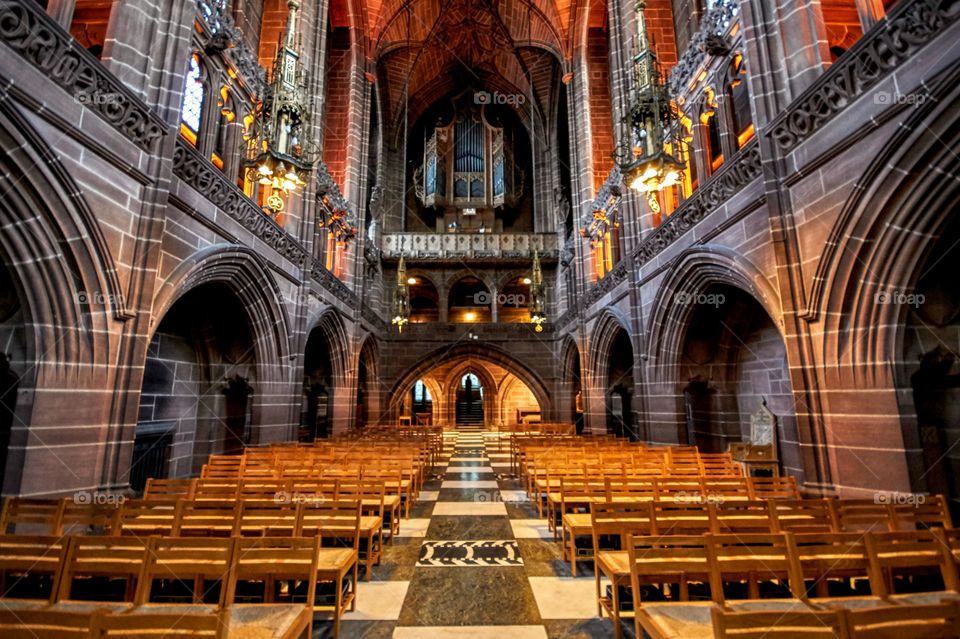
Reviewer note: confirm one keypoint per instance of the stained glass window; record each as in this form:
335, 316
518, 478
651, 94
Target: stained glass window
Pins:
192, 111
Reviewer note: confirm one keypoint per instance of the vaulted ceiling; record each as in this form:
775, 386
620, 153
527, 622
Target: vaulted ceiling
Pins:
421, 50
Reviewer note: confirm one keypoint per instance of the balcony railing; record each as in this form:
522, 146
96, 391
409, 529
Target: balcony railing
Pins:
476, 246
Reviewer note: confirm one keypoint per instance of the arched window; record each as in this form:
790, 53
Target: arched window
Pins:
739, 98
420, 392
191, 111
226, 117
473, 381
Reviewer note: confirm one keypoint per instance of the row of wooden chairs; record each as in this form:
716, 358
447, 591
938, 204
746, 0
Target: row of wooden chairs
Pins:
569, 493
132, 575
790, 572
617, 518
290, 516
105, 624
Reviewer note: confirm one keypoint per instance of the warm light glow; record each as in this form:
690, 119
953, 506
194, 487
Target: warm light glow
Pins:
411, 280
470, 316
264, 169
526, 280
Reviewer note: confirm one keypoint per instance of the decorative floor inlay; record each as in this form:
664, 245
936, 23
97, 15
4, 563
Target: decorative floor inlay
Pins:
470, 553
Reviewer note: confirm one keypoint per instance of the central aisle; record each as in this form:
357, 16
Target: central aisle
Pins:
473, 561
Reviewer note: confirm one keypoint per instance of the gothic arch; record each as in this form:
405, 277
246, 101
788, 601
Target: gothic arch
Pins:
370, 352
693, 272
604, 331
883, 233
330, 324
245, 274
491, 390
482, 352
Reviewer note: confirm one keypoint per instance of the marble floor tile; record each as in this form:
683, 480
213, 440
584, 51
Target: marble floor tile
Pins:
471, 632
514, 496
529, 529
467, 508
399, 559
474, 596
469, 528
470, 483
413, 527
379, 600
355, 630
544, 558
460, 553
468, 469
429, 495
595, 628
470, 494
565, 597
468, 458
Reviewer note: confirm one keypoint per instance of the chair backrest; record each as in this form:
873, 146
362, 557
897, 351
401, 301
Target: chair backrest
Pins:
892, 553
30, 516
801, 515
742, 517
189, 560
160, 625
630, 488
917, 621
774, 487
620, 519
823, 556
146, 518
777, 624
114, 557
273, 518
680, 518
666, 559
169, 489
264, 559
921, 512
213, 518
79, 518
22, 555
861, 515
752, 558
26, 623
332, 521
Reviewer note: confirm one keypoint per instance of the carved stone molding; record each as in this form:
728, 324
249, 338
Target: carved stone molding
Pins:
712, 32
331, 283
491, 246
742, 169
41, 42
907, 29
603, 286
202, 176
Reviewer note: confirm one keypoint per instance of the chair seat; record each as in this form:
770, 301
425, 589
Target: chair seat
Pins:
692, 620
336, 559
615, 563
916, 598
577, 522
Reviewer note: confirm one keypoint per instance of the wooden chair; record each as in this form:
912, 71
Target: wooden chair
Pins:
272, 518
30, 516
188, 568
371, 495
678, 518
861, 515
742, 517
906, 555
337, 523
925, 513
161, 625
616, 522
93, 564
773, 487
922, 621
766, 624
826, 558
30, 567
23, 623
753, 558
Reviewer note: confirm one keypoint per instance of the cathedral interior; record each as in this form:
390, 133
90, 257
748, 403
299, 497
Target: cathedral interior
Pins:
419, 319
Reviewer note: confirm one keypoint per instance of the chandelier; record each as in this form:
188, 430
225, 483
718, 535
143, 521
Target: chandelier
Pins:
651, 165
275, 157
401, 298
537, 313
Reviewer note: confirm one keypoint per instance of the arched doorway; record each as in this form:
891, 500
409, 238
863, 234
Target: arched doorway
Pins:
931, 357
13, 357
618, 395
469, 401
317, 418
732, 359
469, 302
421, 403
424, 300
198, 383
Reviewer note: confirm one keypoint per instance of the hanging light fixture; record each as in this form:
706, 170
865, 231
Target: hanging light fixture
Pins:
333, 210
276, 158
401, 298
537, 311
651, 165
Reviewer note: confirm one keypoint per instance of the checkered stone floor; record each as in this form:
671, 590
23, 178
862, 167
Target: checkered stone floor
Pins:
473, 561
